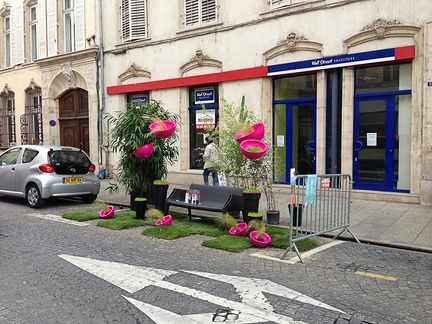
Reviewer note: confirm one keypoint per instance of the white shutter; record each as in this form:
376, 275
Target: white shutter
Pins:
209, 11
125, 17
52, 27
79, 25
41, 29
138, 19
297, 1
12, 34
192, 13
19, 34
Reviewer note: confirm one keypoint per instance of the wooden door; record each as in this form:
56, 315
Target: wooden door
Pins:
73, 119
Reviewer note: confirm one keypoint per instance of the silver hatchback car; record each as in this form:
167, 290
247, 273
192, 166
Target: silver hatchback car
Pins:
39, 172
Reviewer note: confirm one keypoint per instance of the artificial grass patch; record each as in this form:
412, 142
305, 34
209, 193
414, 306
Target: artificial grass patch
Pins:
81, 216
182, 227
123, 220
229, 243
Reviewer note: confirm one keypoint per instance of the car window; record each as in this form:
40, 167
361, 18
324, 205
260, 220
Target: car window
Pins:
10, 157
29, 155
59, 157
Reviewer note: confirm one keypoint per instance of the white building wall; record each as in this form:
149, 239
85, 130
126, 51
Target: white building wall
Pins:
248, 35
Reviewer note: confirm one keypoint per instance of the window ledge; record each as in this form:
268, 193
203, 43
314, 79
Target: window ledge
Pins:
198, 29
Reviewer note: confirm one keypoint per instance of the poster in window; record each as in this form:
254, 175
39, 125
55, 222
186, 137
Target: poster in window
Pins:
205, 118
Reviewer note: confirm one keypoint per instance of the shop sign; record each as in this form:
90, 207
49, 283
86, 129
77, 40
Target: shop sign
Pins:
204, 96
384, 55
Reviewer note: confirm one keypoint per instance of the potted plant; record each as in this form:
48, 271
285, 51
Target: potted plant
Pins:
253, 149
258, 235
107, 211
160, 193
131, 131
251, 216
140, 207
235, 228
161, 218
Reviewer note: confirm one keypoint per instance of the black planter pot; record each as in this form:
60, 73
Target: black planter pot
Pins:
160, 194
250, 203
140, 207
147, 195
296, 214
133, 195
273, 217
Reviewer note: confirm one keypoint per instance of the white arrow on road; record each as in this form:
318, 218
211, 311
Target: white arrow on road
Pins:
251, 290
254, 306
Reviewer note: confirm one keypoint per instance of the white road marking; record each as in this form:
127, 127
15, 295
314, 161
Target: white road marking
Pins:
58, 218
251, 290
304, 255
254, 306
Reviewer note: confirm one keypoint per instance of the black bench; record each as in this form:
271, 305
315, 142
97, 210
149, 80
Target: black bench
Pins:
212, 199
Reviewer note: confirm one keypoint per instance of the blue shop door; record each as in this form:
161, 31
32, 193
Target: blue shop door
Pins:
374, 144
295, 139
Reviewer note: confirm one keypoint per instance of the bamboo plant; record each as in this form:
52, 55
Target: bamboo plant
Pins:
131, 131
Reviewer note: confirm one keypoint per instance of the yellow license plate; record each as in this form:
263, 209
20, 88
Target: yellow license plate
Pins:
73, 180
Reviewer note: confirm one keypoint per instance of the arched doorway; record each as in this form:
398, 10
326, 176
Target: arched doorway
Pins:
74, 119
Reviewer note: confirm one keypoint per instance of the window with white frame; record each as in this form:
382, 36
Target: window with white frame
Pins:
7, 41
274, 4
133, 20
33, 33
200, 12
73, 20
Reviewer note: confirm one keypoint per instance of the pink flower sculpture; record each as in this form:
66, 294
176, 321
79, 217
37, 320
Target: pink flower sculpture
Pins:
108, 214
166, 221
144, 151
163, 128
241, 230
253, 149
259, 242
256, 131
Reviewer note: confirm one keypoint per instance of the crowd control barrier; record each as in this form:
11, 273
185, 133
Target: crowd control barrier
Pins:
319, 204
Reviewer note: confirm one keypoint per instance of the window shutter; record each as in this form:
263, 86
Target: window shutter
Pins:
125, 14
12, 36
41, 29
79, 25
134, 19
19, 34
52, 27
209, 12
191, 13
138, 19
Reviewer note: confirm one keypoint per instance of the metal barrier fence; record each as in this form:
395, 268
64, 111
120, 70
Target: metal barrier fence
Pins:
319, 204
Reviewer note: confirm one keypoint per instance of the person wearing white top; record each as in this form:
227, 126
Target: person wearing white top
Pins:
210, 156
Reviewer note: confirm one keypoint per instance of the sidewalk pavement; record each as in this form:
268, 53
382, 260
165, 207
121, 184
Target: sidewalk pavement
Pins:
401, 225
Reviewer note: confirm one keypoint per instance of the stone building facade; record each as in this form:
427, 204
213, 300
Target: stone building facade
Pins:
344, 86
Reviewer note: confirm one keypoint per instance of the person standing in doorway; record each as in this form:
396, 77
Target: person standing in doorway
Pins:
210, 157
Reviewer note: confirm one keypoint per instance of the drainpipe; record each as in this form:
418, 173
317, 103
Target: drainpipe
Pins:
101, 76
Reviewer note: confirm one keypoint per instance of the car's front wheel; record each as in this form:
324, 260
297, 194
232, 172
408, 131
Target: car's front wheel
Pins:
34, 199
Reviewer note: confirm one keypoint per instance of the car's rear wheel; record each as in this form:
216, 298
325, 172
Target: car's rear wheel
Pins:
88, 198
34, 199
